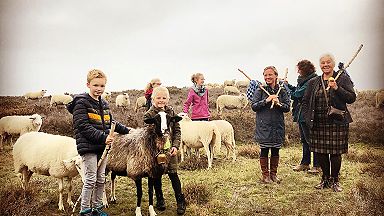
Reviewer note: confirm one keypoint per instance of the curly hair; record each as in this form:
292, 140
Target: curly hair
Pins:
306, 67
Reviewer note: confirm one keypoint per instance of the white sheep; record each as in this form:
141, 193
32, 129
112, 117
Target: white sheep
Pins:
35, 95
60, 99
379, 98
227, 136
242, 84
231, 102
123, 100
49, 155
229, 82
199, 134
231, 90
18, 125
140, 102
106, 96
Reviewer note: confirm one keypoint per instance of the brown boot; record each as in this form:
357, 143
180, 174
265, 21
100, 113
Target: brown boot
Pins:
274, 165
301, 167
336, 184
264, 170
324, 183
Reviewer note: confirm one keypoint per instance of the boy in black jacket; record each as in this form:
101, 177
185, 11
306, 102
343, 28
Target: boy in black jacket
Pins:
91, 123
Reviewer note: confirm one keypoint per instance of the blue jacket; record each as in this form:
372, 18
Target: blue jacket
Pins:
270, 126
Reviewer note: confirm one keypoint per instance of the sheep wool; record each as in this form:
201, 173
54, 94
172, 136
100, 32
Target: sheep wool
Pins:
227, 136
231, 102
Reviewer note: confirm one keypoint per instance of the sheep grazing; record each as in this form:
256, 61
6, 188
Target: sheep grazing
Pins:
227, 136
123, 100
231, 102
135, 155
229, 82
379, 99
19, 125
242, 84
60, 100
35, 95
199, 134
140, 102
231, 90
49, 155
106, 96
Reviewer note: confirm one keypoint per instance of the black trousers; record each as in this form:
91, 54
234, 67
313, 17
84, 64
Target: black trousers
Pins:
330, 164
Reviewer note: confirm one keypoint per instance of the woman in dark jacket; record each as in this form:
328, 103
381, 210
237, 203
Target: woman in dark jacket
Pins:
270, 127
306, 72
328, 136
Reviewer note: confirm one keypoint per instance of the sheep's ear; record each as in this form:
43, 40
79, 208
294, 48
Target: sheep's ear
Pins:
149, 121
176, 118
33, 118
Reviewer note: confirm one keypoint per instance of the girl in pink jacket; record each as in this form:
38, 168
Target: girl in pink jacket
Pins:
198, 98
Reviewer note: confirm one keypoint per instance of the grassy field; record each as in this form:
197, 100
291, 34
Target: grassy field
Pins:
229, 188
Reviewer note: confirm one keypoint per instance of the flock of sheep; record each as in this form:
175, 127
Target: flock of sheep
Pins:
56, 155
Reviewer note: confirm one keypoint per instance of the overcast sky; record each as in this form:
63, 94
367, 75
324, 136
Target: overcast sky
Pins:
52, 45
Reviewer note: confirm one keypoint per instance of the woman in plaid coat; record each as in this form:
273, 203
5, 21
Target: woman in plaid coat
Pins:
328, 137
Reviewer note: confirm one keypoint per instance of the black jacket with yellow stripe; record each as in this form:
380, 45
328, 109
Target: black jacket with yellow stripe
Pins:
91, 130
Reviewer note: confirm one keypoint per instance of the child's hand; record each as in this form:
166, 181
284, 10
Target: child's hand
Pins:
109, 140
173, 151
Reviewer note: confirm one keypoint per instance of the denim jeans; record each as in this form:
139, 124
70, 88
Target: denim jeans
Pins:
304, 138
94, 181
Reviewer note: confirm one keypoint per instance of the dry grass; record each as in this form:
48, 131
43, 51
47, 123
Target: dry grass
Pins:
196, 193
251, 151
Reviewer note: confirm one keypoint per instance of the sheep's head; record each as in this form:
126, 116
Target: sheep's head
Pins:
184, 116
77, 162
36, 120
161, 121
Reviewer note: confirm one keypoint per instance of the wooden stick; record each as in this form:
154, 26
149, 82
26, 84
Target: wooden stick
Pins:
278, 92
106, 150
262, 88
245, 74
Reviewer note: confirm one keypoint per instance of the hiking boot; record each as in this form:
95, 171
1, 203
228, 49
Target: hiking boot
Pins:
86, 212
336, 185
301, 167
99, 212
273, 171
264, 170
324, 183
181, 205
315, 170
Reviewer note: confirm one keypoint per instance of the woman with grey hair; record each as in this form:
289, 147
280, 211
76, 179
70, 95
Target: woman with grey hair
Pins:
328, 133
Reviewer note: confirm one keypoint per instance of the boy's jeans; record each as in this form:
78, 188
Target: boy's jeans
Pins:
94, 180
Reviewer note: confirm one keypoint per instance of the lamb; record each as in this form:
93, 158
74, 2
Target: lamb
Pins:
231, 90
135, 155
231, 102
227, 136
229, 82
19, 125
106, 96
199, 134
60, 99
242, 84
140, 102
379, 99
49, 155
34, 95
123, 100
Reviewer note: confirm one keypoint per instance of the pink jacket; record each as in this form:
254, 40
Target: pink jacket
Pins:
200, 107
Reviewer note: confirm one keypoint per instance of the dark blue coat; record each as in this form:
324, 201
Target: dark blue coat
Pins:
91, 123
270, 126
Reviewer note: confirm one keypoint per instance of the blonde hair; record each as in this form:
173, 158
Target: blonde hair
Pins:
328, 55
272, 68
159, 89
95, 73
196, 76
150, 84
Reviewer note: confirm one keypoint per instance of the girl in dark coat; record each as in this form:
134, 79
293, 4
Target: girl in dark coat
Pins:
328, 136
270, 127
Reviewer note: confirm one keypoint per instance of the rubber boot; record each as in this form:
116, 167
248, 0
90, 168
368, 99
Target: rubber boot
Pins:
273, 173
264, 170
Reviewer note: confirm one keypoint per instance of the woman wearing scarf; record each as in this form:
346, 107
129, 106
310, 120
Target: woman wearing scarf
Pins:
306, 72
198, 98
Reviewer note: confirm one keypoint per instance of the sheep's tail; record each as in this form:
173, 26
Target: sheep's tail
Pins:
216, 140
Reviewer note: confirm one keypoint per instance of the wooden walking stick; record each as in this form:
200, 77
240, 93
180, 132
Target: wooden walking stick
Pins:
281, 86
105, 153
245, 74
349, 63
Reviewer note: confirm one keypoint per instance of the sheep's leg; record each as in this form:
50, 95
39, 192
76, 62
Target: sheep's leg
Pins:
139, 195
182, 147
113, 187
150, 196
208, 152
26, 175
69, 199
1, 141
61, 189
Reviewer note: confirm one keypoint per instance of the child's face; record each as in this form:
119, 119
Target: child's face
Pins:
96, 87
161, 99
200, 80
